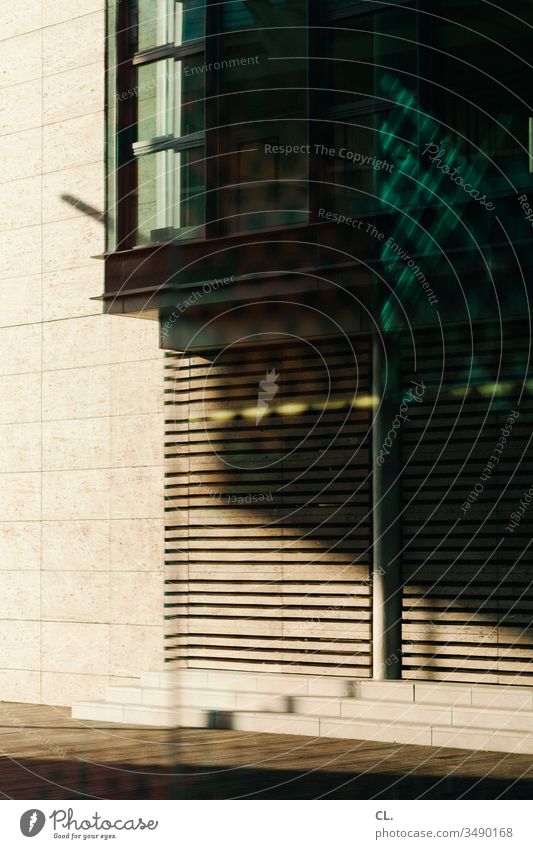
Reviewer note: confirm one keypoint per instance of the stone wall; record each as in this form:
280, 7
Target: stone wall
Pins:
81, 424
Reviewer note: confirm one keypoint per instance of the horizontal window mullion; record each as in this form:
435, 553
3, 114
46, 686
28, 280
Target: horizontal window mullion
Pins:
169, 51
147, 146
357, 108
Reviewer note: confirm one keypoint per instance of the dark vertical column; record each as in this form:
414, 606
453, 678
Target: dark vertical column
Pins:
126, 123
387, 579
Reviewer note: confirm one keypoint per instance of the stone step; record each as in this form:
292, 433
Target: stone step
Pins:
138, 695
131, 714
365, 709
419, 734
423, 692
169, 678
467, 727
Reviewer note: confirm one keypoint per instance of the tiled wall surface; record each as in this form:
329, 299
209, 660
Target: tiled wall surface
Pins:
81, 424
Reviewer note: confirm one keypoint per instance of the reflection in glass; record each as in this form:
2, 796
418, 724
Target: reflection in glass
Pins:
154, 93
265, 101
171, 195
190, 20
155, 23
188, 212
189, 90
166, 22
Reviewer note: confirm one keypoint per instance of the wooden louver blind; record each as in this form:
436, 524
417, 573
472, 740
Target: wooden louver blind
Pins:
267, 524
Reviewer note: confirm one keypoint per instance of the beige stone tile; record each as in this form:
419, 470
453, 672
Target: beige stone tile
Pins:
56, 11
137, 440
76, 393
18, 18
73, 93
148, 654
76, 495
73, 646
74, 343
72, 243
20, 592
21, 203
75, 596
67, 294
75, 546
20, 299
20, 349
21, 398
20, 59
134, 339
76, 444
20, 252
137, 545
18, 685
21, 155
73, 192
21, 107
138, 388
123, 681
20, 497
73, 142
137, 493
20, 447
20, 644
142, 604
68, 688
74, 43
20, 545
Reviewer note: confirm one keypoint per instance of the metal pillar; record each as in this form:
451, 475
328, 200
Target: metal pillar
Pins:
387, 583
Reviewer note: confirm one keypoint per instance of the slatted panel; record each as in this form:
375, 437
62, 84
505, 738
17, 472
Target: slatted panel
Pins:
468, 602
267, 525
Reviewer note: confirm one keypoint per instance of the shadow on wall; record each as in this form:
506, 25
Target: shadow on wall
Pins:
268, 509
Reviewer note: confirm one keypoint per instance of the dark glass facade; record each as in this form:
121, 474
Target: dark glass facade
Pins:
357, 170
235, 117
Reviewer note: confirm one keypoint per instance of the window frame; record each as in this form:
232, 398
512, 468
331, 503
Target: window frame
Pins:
124, 121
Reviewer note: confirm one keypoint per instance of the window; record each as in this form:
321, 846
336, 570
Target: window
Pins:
366, 58
477, 61
159, 120
263, 106
200, 90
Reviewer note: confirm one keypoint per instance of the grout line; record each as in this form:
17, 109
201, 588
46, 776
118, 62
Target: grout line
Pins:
50, 26
47, 173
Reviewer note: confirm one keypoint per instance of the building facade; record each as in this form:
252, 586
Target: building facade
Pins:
81, 513
315, 217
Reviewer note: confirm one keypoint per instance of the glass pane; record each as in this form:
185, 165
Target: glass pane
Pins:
152, 195
264, 77
154, 94
365, 50
265, 187
189, 95
190, 20
189, 193
167, 21
480, 58
155, 23
264, 72
356, 168
171, 195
